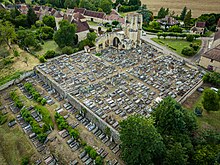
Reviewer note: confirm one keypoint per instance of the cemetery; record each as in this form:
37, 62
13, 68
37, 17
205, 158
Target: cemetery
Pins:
108, 88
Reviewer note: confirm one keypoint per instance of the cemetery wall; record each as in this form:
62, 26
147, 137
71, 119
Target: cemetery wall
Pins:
16, 81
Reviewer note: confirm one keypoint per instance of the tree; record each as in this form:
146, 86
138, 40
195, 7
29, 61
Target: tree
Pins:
115, 23
183, 13
188, 51
176, 154
162, 12
134, 2
140, 142
31, 16
210, 100
187, 18
106, 5
66, 35
155, 25
172, 119
91, 36
175, 29
7, 33
70, 3
21, 20
49, 21
147, 15
190, 38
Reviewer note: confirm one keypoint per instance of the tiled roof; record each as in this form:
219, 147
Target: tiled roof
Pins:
213, 54
94, 14
200, 24
78, 16
79, 10
81, 26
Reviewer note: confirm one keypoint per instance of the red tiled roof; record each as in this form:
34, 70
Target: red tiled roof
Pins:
79, 10
213, 54
200, 24
78, 16
94, 14
81, 26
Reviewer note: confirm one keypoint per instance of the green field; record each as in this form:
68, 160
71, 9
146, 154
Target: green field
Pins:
177, 44
14, 145
48, 45
209, 120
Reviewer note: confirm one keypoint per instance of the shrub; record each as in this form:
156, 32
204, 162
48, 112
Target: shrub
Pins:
7, 61
189, 37
50, 54
25, 161
38, 47
194, 46
67, 50
151, 30
16, 54
98, 160
188, 51
42, 59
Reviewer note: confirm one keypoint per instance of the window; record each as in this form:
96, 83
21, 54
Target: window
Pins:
211, 60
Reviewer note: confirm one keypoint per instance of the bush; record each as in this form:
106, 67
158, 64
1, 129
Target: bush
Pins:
212, 77
50, 54
38, 47
7, 61
190, 38
67, 50
188, 51
125, 8
16, 54
25, 161
42, 59
194, 46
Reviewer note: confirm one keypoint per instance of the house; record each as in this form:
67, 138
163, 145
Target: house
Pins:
211, 59
167, 22
114, 16
90, 15
199, 28
78, 19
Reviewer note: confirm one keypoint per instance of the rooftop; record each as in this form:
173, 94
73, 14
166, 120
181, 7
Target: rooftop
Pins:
213, 54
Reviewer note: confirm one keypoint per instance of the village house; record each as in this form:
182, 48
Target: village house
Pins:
199, 28
167, 22
211, 59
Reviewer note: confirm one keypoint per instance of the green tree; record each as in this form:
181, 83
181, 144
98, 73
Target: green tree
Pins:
49, 21
183, 13
210, 100
188, 51
115, 23
98, 160
140, 142
162, 12
155, 25
172, 119
21, 20
175, 29
190, 38
106, 5
176, 154
7, 33
70, 3
147, 14
187, 19
31, 16
66, 35
91, 36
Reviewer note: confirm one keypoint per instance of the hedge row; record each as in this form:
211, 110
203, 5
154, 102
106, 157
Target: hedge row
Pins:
151, 30
36, 95
16, 99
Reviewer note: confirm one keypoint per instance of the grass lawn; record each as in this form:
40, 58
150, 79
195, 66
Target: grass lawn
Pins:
177, 44
48, 45
209, 120
14, 145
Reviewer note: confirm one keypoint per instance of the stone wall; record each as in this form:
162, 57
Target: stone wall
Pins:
16, 81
